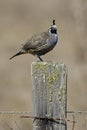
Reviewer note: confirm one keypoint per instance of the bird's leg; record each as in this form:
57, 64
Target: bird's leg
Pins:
39, 58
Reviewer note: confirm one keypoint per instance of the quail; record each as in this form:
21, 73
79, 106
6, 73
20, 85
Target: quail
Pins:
40, 44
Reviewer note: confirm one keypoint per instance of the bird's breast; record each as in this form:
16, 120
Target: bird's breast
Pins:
53, 40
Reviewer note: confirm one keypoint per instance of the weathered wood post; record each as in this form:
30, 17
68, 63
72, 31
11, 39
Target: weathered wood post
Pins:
49, 81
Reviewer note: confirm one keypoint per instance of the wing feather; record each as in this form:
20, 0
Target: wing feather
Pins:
36, 42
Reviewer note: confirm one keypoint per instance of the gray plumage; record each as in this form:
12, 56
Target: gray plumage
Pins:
41, 43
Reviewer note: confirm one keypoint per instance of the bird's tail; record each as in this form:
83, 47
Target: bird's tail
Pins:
18, 53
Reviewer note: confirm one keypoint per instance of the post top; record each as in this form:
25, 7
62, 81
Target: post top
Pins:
48, 62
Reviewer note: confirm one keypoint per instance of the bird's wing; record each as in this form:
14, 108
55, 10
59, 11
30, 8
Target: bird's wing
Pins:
36, 42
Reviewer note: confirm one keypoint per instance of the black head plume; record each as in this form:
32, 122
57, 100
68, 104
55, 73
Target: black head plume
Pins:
54, 22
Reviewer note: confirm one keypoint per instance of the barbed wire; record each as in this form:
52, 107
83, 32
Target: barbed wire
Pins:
15, 112
48, 118
77, 112
27, 114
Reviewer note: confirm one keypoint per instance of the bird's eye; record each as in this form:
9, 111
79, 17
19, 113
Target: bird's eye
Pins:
53, 30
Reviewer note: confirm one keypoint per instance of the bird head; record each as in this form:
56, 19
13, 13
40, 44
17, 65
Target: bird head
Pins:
53, 28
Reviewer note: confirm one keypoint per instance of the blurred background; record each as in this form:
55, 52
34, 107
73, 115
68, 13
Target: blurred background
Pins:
19, 20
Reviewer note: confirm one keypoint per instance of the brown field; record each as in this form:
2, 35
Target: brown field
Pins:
19, 20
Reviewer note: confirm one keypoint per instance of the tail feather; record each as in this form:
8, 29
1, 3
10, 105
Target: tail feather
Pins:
18, 53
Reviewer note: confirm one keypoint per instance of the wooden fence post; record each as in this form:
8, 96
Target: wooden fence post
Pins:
49, 91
